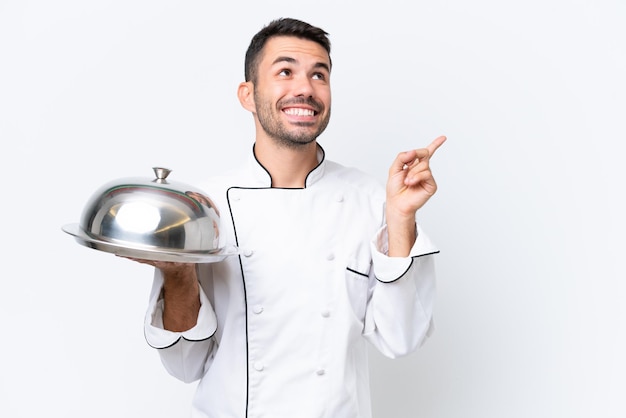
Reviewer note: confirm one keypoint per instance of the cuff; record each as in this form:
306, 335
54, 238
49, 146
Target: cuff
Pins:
158, 337
388, 269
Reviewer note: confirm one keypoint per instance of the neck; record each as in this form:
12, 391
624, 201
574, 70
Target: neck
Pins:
288, 167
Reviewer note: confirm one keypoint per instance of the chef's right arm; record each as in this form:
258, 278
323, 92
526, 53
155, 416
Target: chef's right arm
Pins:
180, 321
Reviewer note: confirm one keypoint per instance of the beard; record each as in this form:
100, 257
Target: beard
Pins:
294, 138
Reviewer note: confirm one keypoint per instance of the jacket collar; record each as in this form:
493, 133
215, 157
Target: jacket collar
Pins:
262, 178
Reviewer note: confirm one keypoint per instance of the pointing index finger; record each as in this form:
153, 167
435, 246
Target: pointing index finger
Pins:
435, 144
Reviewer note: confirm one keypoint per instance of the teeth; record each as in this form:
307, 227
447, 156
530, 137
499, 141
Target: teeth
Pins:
299, 112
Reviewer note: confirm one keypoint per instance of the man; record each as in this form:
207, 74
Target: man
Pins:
329, 260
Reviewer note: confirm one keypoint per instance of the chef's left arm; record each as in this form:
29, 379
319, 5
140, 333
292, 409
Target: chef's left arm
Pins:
399, 314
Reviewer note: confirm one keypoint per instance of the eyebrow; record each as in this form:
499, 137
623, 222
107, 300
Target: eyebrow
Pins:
294, 61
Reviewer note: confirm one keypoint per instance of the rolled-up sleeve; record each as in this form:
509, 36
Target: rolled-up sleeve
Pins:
184, 354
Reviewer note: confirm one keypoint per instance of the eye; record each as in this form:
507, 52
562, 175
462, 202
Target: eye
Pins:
285, 72
319, 76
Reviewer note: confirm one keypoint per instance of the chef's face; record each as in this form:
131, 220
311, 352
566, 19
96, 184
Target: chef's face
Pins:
292, 91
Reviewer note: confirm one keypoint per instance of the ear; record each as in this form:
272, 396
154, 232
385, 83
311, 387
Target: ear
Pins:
245, 94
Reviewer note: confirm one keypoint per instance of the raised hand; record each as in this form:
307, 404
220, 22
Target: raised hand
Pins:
409, 186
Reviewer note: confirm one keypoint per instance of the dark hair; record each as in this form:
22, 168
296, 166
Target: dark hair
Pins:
281, 27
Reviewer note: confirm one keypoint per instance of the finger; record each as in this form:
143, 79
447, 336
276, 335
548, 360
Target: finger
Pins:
425, 179
420, 165
408, 159
425, 153
403, 160
436, 144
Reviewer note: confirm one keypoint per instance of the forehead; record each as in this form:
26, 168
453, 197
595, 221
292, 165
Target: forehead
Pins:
301, 50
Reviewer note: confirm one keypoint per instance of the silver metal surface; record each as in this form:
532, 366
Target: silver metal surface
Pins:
157, 254
151, 219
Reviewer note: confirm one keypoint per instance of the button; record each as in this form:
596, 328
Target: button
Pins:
258, 367
257, 309
339, 198
325, 313
320, 372
248, 252
330, 257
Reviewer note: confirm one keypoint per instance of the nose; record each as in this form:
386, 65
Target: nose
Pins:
303, 87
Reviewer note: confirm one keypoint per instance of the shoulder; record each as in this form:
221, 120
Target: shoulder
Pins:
355, 185
217, 185
352, 177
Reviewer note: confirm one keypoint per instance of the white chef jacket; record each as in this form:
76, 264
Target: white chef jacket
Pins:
283, 327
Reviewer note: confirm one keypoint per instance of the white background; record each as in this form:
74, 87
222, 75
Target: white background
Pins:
529, 217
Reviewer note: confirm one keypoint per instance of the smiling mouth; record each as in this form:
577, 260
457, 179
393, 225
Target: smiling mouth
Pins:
298, 111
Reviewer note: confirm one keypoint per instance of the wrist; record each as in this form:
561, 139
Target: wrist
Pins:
401, 237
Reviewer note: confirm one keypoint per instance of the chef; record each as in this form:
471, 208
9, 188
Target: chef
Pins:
330, 261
